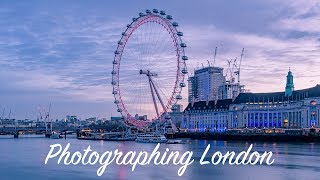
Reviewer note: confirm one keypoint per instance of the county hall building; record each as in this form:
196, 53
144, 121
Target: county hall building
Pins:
289, 109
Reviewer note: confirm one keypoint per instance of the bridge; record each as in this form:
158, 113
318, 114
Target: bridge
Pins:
21, 129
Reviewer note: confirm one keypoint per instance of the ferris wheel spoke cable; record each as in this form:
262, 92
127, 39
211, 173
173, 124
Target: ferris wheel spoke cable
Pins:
166, 53
136, 54
159, 47
147, 47
133, 55
167, 42
163, 94
163, 97
156, 32
138, 39
148, 37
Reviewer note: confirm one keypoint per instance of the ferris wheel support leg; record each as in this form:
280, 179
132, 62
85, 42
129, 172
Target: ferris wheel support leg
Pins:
159, 97
153, 97
162, 104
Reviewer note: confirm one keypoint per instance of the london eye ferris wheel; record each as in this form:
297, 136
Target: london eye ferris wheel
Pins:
148, 68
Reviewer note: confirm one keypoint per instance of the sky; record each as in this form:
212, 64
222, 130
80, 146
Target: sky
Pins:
61, 52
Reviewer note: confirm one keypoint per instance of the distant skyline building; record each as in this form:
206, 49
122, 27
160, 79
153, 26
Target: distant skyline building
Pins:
230, 90
92, 120
71, 118
210, 84
116, 118
176, 115
205, 84
289, 85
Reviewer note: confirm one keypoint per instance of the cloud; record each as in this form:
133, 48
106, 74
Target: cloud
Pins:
267, 58
65, 54
49, 57
304, 17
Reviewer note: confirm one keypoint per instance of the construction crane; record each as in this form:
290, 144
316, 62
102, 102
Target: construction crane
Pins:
41, 111
238, 71
234, 66
215, 55
9, 116
47, 120
228, 70
3, 111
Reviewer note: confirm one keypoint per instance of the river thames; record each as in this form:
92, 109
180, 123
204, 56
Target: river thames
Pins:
24, 158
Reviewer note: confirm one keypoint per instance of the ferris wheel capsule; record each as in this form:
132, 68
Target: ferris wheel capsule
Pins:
163, 13
169, 17
148, 11
141, 14
113, 83
184, 71
175, 24
182, 84
116, 52
128, 25
155, 11
114, 62
114, 92
119, 110
120, 42
184, 58
179, 33
116, 102
123, 34
113, 72
178, 96
134, 19
183, 45
174, 108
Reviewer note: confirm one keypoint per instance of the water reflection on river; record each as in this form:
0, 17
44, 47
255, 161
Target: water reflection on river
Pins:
23, 158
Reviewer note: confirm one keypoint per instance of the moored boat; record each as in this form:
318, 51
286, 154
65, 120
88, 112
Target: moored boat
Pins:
175, 141
151, 138
110, 136
120, 136
55, 135
124, 138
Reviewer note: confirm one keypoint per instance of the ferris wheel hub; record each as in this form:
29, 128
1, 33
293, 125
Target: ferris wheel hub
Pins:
147, 72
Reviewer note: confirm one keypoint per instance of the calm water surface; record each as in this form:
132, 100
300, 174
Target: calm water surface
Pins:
24, 158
